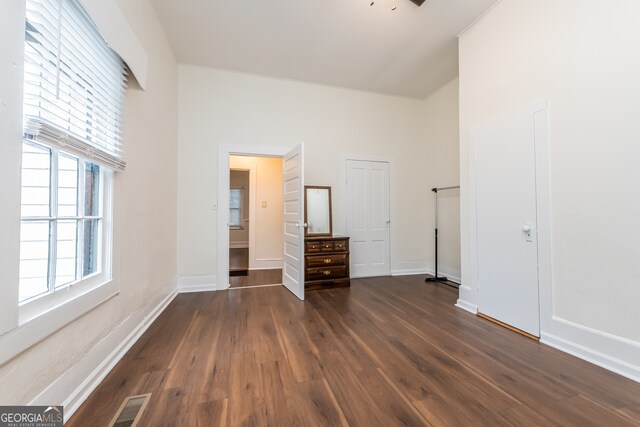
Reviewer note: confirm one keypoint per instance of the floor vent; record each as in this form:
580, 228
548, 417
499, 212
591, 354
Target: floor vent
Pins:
130, 411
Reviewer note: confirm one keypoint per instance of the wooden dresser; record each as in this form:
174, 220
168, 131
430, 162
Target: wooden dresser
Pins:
326, 262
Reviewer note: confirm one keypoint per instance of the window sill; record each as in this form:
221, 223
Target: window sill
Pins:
37, 322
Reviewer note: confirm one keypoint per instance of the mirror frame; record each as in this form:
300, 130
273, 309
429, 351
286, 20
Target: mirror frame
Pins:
306, 229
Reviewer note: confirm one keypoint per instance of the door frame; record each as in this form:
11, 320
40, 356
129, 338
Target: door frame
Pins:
540, 113
390, 160
222, 205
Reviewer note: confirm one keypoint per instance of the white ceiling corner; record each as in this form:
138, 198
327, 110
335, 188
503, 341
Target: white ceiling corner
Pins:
411, 51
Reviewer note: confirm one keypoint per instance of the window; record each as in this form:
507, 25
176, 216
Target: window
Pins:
61, 220
73, 90
236, 208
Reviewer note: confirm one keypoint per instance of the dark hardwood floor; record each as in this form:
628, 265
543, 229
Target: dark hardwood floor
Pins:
239, 261
385, 352
257, 278
238, 258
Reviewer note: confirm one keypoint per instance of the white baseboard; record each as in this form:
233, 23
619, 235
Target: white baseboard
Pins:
238, 245
617, 354
450, 277
471, 308
430, 271
265, 264
409, 271
203, 283
76, 384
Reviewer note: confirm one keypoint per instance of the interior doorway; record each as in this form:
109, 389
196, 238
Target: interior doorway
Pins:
255, 221
292, 261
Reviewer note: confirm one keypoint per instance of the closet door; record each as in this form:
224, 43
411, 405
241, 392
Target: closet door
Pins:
507, 248
368, 218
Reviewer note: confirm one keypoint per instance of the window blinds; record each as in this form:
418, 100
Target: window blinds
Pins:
73, 83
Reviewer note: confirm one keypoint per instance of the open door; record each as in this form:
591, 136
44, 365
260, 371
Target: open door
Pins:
293, 265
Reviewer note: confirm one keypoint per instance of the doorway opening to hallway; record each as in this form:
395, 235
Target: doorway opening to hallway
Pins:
255, 221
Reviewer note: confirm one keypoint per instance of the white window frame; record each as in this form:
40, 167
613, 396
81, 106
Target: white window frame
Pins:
239, 226
40, 317
57, 297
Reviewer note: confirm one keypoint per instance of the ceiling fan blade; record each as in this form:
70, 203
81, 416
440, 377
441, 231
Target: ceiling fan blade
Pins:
418, 2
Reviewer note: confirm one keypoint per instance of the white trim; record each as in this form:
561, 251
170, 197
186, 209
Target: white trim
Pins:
427, 270
12, 27
611, 352
467, 306
239, 245
409, 271
543, 214
38, 328
266, 268
224, 151
253, 211
203, 283
267, 264
73, 387
256, 286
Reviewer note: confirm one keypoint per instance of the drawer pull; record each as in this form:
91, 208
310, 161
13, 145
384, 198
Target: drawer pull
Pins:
327, 261
326, 272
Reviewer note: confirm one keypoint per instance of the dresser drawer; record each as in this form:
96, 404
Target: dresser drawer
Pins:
318, 246
320, 273
341, 245
326, 260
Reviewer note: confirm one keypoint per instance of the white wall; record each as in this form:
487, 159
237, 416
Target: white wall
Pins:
144, 218
11, 75
239, 238
581, 55
266, 215
224, 107
442, 139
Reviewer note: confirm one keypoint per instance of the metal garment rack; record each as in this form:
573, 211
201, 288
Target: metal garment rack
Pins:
437, 278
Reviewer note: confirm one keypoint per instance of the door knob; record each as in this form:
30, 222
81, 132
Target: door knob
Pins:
527, 227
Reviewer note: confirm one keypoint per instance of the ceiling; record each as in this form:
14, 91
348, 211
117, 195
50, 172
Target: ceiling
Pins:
411, 51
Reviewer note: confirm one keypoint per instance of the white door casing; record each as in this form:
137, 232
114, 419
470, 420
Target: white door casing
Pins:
293, 182
368, 217
221, 206
504, 156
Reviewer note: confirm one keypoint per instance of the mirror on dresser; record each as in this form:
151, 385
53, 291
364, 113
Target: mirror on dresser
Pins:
317, 211
326, 257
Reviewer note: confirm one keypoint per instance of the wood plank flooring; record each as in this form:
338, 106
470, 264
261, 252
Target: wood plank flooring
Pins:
257, 278
385, 352
238, 258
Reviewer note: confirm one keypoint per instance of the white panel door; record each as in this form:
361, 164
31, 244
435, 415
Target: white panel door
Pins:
368, 217
293, 265
507, 251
